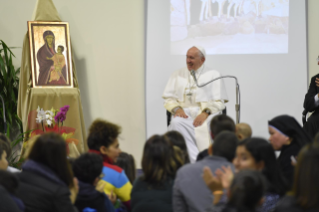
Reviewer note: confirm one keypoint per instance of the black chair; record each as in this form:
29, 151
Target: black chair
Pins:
169, 115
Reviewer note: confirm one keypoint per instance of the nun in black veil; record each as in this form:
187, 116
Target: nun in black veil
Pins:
287, 136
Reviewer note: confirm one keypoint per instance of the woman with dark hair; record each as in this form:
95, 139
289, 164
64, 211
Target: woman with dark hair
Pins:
178, 140
46, 180
257, 154
287, 136
305, 191
244, 195
153, 190
126, 162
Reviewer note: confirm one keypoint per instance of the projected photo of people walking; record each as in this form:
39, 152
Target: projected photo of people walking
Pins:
230, 26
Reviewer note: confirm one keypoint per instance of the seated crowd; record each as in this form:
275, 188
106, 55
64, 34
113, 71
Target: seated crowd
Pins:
236, 173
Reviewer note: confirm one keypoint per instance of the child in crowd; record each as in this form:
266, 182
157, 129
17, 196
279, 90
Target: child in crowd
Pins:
103, 140
153, 190
190, 192
46, 180
243, 131
245, 193
218, 124
3, 155
88, 169
178, 140
258, 154
305, 191
8, 151
126, 162
10, 183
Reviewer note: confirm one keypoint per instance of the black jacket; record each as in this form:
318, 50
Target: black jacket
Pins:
42, 191
7, 204
148, 198
89, 197
284, 161
312, 124
288, 204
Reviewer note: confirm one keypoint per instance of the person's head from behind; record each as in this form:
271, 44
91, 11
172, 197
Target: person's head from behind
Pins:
50, 150
243, 131
225, 145
9, 181
178, 140
159, 160
221, 123
246, 191
88, 168
103, 137
306, 184
4, 146
126, 162
257, 154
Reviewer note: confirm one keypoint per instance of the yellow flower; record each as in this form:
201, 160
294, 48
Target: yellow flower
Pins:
54, 111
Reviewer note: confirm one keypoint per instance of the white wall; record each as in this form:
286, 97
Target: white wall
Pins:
108, 44
313, 37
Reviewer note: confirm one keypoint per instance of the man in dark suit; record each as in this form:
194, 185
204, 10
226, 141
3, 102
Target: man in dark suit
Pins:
311, 104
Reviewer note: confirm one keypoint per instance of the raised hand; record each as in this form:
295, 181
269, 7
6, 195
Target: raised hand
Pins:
225, 175
212, 182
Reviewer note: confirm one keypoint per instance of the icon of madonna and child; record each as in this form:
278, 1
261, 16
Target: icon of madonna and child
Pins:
52, 64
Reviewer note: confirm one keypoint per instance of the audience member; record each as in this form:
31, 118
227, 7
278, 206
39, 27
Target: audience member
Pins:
218, 124
243, 131
8, 151
153, 190
10, 183
305, 191
287, 136
190, 192
103, 140
7, 203
88, 169
127, 163
3, 155
46, 180
257, 154
311, 104
244, 195
178, 140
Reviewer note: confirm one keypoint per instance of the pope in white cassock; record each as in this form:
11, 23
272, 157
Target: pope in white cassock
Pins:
193, 107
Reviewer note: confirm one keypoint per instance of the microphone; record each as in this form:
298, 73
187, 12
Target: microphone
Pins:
237, 105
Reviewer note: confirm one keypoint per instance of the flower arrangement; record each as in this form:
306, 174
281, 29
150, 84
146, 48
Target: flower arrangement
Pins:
52, 121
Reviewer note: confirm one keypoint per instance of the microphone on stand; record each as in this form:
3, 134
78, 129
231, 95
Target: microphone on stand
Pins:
237, 106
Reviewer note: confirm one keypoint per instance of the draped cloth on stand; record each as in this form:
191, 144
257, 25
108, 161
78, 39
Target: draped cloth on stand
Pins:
30, 98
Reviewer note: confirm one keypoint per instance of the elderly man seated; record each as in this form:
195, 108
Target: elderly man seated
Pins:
193, 107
